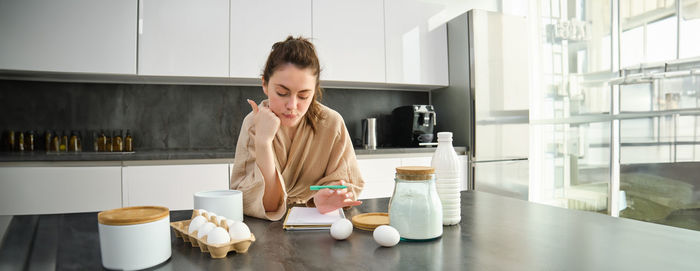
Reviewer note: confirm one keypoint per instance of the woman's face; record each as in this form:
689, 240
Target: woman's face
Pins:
290, 91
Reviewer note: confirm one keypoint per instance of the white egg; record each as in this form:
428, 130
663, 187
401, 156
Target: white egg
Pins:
341, 229
211, 215
196, 222
219, 218
205, 229
386, 236
201, 211
229, 222
218, 236
238, 231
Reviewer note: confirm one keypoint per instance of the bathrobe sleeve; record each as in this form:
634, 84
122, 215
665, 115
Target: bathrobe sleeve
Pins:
247, 177
342, 163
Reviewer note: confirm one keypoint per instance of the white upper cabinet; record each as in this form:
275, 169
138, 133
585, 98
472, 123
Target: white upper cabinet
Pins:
349, 39
416, 51
256, 25
184, 38
87, 36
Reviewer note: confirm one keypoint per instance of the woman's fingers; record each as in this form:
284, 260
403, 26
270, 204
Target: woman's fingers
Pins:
350, 202
253, 105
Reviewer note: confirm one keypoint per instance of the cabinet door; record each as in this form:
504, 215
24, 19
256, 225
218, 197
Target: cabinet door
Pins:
416, 50
256, 25
427, 161
183, 38
172, 186
93, 36
48, 190
416, 161
378, 175
349, 39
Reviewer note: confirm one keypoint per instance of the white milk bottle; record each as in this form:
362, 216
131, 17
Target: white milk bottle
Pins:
447, 172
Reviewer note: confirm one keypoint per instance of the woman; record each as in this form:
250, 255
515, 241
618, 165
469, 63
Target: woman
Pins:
291, 141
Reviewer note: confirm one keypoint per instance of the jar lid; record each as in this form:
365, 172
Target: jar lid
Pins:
415, 173
415, 170
132, 215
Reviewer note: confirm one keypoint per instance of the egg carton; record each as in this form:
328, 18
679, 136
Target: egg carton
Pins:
215, 250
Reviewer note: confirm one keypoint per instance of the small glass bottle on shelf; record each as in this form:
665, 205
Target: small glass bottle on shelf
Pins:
20, 141
48, 137
30, 141
64, 142
56, 142
73, 142
95, 142
11, 140
108, 142
80, 141
128, 142
102, 142
117, 142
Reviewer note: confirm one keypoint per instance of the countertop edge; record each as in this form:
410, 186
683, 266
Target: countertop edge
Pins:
186, 156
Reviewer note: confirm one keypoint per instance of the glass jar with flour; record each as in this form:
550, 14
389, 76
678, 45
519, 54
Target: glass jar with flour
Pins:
415, 209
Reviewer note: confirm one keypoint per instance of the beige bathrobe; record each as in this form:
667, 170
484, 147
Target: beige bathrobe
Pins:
312, 158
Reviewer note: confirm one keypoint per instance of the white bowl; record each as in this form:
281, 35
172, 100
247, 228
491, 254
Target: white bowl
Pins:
227, 203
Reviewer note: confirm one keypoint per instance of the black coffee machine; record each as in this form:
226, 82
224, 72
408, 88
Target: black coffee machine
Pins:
413, 124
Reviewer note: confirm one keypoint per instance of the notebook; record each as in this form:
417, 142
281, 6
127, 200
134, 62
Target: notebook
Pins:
308, 218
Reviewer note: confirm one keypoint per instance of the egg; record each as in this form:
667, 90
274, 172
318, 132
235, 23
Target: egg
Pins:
386, 236
219, 219
202, 212
341, 229
218, 235
196, 222
205, 229
238, 231
212, 216
229, 222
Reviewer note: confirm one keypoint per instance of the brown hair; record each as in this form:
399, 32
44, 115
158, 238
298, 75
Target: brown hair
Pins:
300, 52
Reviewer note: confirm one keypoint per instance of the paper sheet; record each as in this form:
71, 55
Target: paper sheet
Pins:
311, 216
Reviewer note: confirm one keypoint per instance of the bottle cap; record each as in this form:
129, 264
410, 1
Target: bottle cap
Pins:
445, 136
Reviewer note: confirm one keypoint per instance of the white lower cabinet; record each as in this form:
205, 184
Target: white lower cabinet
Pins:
59, 189
171, 186
378, 173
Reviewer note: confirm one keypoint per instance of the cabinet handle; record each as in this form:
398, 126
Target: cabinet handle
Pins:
140, 15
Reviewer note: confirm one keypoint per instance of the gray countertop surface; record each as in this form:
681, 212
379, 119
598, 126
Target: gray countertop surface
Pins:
496, 233
173, 154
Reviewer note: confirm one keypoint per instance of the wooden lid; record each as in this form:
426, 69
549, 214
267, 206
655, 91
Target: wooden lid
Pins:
415, 170
414, 173
132, 215
370, 221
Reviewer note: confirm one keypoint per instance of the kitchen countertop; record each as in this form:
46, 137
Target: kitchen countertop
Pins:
496, 233
41, 156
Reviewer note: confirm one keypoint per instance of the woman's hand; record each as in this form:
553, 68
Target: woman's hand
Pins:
328, 200
266, 123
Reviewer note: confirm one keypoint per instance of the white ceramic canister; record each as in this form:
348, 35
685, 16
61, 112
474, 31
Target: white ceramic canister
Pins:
134, 237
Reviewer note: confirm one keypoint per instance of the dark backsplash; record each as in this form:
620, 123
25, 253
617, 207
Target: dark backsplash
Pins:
172, 116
